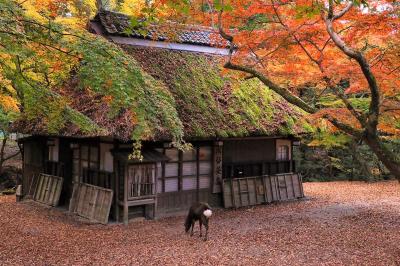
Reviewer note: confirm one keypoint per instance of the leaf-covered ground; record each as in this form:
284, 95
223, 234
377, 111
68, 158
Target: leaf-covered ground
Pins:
342, 223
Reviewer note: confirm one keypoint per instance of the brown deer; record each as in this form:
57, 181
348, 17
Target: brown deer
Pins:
201, 212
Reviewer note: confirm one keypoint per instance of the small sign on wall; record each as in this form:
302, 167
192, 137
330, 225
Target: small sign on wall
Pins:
217, 168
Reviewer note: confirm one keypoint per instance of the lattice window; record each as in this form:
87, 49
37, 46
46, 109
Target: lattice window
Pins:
283, 153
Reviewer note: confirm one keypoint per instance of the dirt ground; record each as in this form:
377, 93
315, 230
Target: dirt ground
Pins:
341, 223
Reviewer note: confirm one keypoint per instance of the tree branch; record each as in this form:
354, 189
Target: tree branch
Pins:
373, 114
343, 12
344, 127
287, 95
11, 156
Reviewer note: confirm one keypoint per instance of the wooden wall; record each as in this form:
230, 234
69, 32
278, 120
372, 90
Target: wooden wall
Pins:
33, 164
170, 203
235, 151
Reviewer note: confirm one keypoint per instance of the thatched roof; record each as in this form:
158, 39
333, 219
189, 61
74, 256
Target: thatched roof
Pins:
209, 104
213, 105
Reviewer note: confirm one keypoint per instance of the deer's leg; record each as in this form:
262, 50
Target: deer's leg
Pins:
191, 232
200, 224
206, 226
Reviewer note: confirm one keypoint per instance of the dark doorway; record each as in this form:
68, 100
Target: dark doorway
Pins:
65, 157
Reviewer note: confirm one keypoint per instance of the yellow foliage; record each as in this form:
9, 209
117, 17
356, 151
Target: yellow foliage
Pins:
9, 103
132, 7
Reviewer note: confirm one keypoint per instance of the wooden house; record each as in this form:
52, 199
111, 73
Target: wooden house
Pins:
237, 128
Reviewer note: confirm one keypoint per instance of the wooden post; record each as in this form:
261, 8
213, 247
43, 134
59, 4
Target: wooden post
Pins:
291, 157
155, 181
197, 173
126, 211
180, 165
116, 189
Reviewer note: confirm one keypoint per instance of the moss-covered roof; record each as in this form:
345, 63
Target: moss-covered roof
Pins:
208, 103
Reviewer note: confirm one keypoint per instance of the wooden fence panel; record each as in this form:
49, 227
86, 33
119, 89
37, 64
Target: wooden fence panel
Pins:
91, 202
250, 191
227, 194
48, 189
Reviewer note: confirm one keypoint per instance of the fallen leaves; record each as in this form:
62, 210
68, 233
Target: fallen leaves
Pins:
340, 223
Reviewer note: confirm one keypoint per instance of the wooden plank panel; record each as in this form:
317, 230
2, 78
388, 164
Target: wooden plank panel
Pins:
100, 206
260, 190
296, 187
41, 190
290, 188
57, 193
282, 188
274, 192
267, 189
243, 192
227, 194
37, 188
81, 197
48, 189
107, 201
235, 194
252, 192
74, 198
91, 202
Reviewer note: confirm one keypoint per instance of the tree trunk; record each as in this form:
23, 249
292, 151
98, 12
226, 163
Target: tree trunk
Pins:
386, 156
365, 169
3, 146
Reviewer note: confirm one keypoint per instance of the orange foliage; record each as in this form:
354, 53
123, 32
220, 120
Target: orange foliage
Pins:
288, 42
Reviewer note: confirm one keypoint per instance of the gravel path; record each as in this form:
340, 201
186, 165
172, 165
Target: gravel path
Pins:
341, 223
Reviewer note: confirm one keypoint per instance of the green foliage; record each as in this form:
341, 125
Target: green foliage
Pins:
256, 21
327, 162
328, 140
308, 11
331, 101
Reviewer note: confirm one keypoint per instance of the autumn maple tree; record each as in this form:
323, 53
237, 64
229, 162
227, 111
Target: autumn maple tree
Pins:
339, 61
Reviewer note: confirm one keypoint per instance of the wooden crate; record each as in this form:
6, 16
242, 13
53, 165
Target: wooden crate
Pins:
248, 191
48, 189
91, 202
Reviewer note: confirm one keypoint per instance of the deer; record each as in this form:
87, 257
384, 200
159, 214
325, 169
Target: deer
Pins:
199, 211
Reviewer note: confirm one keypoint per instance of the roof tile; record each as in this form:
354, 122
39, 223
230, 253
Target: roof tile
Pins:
118, 24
